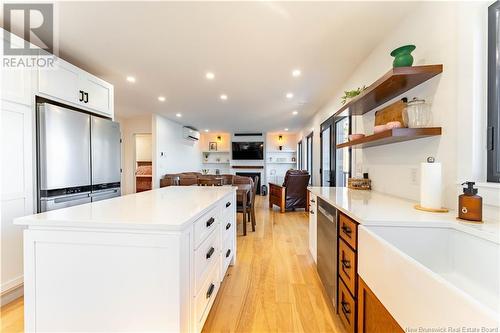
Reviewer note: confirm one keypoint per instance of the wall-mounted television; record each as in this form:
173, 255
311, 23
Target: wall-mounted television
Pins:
248, 150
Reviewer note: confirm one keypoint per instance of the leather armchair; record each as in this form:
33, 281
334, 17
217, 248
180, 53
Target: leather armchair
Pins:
293, 193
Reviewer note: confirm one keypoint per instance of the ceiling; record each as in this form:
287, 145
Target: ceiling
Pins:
251, 47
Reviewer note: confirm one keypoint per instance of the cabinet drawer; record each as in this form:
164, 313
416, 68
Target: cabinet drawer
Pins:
347, 266
205, 297
346, 308
204, 226
205, 257
228, 207
227, 254
227, 227
348, 230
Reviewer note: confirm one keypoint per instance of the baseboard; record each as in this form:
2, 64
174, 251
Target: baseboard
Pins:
12, 294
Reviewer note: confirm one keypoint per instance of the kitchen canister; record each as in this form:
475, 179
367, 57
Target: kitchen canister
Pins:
417, 114
431, 190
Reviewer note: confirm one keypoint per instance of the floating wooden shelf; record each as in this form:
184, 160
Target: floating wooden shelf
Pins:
392, 136
394, 83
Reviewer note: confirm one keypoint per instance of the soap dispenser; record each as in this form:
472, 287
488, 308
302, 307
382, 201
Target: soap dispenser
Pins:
470, 205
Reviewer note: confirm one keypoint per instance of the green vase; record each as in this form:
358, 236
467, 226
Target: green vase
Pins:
402, 56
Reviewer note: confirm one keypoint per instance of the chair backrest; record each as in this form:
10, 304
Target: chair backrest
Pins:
296, 182
187, 180
169, 180
209, 181
227, 179
241, 180
254, 189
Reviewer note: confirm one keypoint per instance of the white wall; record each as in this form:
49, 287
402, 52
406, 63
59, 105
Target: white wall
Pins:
448, 33
129, 127
171, 152
143, 147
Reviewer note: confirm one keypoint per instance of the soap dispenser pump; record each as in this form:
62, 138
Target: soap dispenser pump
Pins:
470, 205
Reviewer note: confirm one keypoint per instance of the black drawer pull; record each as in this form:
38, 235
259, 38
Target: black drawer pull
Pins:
311, 211
312, 200
210, 290
210, 222
346, 264
346, 230
81, 96
228, 204
210, 252
228, 253
345, 308
228, 226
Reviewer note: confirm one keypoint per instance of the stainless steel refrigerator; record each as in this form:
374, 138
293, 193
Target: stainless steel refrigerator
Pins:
78, 157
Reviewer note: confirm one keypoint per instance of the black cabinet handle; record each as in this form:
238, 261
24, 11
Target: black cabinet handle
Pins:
346, 230
210, 290
210, 252
313, 201
228, 204
311, 211
210, 222
228, 226
81, 96
86, 97
346, 263
228, 253
345, 308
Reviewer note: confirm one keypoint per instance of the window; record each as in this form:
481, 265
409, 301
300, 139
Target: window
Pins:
300, 166
494, 92
309, 157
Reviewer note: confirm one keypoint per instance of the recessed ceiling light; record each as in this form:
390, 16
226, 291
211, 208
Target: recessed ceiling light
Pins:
286, 129
295, 112
289, 95
296, 73
131, 79
210, 76
206, 131
161, 98
223, 97
178, 115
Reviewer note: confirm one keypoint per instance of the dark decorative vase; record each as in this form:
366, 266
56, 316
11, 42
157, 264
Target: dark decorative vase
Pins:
402, 56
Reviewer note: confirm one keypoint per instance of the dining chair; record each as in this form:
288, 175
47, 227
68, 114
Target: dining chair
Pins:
250, 206
209, 181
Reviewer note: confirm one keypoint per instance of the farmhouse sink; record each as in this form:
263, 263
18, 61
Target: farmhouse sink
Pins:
432, 277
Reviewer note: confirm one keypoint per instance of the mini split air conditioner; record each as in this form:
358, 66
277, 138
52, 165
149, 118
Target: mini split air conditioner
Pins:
190, 134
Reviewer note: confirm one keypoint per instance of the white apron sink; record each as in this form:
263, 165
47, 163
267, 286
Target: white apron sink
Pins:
432, 277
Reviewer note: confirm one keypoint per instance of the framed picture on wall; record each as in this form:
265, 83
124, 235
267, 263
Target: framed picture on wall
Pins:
212, 146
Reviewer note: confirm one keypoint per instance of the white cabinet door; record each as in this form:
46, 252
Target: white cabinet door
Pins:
313, 226
98, 94
60, 81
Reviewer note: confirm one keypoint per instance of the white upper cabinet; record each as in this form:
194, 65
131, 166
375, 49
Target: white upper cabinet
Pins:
71, 85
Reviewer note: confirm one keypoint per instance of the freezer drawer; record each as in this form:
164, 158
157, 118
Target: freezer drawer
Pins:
63, 147
105, 194
105, 138
47, 204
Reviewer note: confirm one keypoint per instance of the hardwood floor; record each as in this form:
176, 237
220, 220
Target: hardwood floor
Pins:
273, 288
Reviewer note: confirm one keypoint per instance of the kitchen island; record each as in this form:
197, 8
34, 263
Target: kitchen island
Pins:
151, 261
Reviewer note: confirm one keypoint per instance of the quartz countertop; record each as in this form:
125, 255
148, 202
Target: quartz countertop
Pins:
168, 208
375, 208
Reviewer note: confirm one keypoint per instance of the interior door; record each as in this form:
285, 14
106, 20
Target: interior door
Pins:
326, 153
342, 156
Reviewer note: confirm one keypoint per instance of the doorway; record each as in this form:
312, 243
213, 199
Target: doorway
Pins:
335, 164
143, 165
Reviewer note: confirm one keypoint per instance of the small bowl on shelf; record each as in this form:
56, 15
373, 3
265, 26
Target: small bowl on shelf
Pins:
379, 129
353, 137
393, 124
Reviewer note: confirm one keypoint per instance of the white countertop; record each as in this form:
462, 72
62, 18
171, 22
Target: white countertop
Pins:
168, 208
374, 208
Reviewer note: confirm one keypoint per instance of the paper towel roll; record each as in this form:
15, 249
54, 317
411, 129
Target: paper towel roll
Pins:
430, 185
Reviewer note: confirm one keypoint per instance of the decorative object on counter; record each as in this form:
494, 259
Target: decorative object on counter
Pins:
205, 171
417, 114
379, 128
350, 94
212, 146
393, 112
353, 137
431, 187
402, 56
470, 205
359, 183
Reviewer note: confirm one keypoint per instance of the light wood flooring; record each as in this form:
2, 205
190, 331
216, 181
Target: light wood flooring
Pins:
274, 286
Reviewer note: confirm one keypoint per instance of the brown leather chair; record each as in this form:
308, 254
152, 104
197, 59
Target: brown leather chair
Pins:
293, 193
169, 180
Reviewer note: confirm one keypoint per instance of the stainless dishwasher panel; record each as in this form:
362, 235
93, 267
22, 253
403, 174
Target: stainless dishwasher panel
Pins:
327, 248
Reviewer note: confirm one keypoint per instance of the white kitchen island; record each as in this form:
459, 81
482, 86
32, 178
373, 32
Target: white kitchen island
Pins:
151, 261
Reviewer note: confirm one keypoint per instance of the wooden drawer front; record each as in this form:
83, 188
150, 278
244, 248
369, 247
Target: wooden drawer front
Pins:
205, 297
348, 230
347, 266
205, 257
346, 308
204, 226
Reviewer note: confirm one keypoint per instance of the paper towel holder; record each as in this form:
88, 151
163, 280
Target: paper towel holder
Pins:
431, 159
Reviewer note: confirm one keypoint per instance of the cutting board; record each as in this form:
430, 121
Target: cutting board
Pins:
393, 112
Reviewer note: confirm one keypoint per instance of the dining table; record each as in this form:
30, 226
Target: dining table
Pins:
242, 197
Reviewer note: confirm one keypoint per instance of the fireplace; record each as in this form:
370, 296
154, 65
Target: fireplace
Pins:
252, 175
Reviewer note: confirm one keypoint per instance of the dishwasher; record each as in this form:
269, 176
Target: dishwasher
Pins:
327, 248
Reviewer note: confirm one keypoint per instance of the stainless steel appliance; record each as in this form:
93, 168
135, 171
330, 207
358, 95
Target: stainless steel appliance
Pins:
78, 157
327, 248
